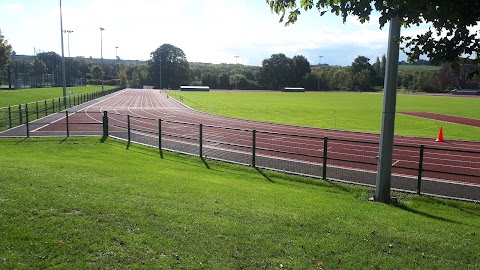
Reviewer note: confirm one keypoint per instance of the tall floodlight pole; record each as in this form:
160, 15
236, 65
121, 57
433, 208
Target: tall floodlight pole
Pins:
384, 169
101, 52
160, 69
319, 61
68, 40
116, 67
64, 78
236, 62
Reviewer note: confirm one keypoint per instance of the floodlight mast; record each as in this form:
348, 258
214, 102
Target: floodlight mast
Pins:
236, 62
64, 78
116, 67
101, 53
68, 40
319, 61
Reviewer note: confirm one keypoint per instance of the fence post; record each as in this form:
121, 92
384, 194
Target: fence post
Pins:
36, 106
53, 105
68, 129
160, 137
420, 169
59, 104
20, 113
26, 123
10, 116
128, 128
200, 142
254, 146
325, 157
105, 124
69, 101
65, 103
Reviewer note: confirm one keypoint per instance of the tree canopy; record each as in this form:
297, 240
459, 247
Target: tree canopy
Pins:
5, 51
169, 67
281, 71
449, 36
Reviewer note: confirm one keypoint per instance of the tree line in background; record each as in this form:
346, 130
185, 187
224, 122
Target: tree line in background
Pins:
168, 68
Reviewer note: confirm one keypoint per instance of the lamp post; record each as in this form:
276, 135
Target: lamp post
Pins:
101, 52
116, 66
236, 62
68, 39
319, 61
64, 78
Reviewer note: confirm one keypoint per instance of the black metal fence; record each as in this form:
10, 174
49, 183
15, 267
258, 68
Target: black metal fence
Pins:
453, 173
420, 169
20, 114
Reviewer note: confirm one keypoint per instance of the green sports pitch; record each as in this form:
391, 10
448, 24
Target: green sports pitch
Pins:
341, 110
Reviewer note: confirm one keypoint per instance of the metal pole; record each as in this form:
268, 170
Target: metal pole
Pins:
254, 146
236, 61
26, 123
105, 124
128, 129
46, 109
36, 107
318, 83
116, 66
384, 169
20, 113
64, 78
200, 142
10, 116
160, 137
325, 157
68, 129
420, 169
101, 52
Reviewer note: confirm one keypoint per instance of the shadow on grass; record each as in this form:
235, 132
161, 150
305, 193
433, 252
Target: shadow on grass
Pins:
264, 175
453, 204
423, 214
205, 162
21, 141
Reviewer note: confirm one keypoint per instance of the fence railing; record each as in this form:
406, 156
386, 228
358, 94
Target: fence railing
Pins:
416, 168
15, 115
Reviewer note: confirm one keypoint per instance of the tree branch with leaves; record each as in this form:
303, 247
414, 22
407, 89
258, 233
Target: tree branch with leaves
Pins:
449, 37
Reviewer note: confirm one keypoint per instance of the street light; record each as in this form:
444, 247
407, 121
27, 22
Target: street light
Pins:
101, 52
116, 66
68, 39
319, 60
236, 62
64, 78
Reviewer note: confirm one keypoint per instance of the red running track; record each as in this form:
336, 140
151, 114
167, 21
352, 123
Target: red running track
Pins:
154, 104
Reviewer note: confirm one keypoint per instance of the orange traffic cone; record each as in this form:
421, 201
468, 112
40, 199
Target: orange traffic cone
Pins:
440, 136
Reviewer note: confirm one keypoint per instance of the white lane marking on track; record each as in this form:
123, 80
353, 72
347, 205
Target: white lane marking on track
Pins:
46, 125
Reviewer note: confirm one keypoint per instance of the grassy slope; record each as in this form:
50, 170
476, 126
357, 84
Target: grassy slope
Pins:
15, 97
345, 111
78, 203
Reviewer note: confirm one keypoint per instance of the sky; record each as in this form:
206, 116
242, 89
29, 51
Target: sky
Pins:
208, 31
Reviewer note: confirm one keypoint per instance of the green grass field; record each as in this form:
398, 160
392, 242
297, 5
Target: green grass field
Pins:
78, 203
15, 97
340, 110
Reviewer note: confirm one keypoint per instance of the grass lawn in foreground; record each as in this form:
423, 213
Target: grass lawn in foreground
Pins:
78, 203
340, 110
15, 97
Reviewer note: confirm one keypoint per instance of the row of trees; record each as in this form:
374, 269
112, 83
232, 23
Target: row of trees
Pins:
169, 68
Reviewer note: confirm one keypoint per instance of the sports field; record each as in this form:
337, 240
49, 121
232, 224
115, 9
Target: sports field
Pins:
15, 97
341, 110
77, 203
